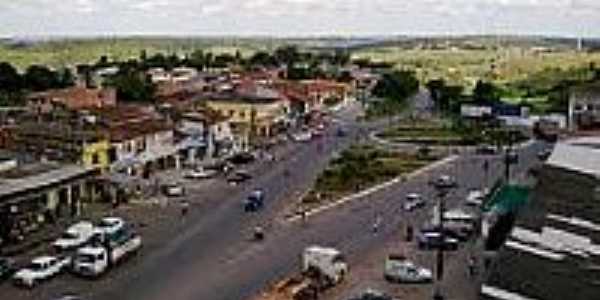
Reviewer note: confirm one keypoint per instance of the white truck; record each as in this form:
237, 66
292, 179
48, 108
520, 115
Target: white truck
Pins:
95, 260
328, 262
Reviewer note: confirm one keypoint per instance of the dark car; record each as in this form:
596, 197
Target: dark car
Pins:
7, 268
434, 239
239, 177
544, 154
373, 295
341, 132
255, 201
242, 158
454, 232
487, 150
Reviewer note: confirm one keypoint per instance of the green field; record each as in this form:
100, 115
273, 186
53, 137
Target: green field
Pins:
71, 52
465, 67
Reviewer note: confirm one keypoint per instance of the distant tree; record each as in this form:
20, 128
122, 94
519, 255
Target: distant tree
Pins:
223, 60
485, 92
157, 60
238, 57
362, 62
262, 58
10, 79
132, 84
397, 85
197, 60
85, 71
40, 78
288, 55
11, 84
102, 62
341, 57
65, 78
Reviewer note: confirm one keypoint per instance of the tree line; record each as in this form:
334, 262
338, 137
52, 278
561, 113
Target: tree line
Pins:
14, 85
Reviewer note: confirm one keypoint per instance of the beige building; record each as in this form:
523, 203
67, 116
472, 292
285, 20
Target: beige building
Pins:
252, 116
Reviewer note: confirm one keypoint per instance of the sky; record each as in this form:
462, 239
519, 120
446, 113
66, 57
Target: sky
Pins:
20, 18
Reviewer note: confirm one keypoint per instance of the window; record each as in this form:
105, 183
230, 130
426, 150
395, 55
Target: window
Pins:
231, 113
95, 159
242, 114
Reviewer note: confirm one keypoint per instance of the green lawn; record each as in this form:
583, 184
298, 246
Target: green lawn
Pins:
358, 168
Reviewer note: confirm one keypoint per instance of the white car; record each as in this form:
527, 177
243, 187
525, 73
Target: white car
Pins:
109, 225
413, 201
475, 198
75, 236
399, 269
302, 136
174, 190
200, 174
40, 269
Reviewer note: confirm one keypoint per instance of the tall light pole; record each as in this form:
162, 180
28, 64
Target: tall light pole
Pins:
443, 185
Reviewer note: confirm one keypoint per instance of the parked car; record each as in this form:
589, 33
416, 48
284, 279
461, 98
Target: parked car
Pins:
304, 136
7, 268
255, 201
41, 269
341, 132
433, 239
68, 297
413, 201
200, 173
75, 236
373, 295
487, 150
242, 158
445, 181
475, 198
544, 154
239, 177
399, 269
109, 225
173, 190
456, 232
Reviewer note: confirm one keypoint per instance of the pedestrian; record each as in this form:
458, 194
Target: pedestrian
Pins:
185, 206
472, 266
377, 223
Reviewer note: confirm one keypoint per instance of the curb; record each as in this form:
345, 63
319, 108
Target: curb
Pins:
373, 189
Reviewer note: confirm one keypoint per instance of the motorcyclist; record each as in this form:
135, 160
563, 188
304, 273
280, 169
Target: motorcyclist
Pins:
259, 233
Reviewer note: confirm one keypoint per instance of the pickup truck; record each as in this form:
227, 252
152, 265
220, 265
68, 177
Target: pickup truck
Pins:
93, 261
327, 261
40, 269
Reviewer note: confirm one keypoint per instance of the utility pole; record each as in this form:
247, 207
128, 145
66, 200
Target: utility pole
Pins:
442, 185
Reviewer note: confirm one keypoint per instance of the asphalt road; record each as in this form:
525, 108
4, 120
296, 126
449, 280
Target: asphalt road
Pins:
214, 258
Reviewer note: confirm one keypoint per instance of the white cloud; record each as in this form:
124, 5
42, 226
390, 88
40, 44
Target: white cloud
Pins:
24, 17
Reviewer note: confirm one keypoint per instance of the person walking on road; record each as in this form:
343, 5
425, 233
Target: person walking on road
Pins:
185, 206
472, 266
377, 223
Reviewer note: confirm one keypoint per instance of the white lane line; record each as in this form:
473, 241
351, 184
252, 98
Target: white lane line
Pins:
373, 189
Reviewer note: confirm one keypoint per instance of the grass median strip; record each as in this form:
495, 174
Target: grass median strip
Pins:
359, 168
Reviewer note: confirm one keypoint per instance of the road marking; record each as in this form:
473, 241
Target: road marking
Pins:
372, 190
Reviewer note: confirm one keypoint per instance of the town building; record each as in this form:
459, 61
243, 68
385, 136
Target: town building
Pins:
73, 98
32, 195
254, 112
553, 250
584, 107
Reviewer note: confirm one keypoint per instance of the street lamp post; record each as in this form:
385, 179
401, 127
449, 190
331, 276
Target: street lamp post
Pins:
442, 185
